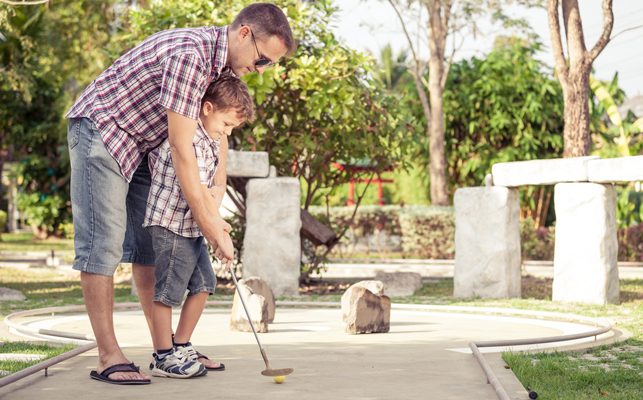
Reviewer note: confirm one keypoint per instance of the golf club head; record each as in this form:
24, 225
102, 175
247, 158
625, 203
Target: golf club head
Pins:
277, 372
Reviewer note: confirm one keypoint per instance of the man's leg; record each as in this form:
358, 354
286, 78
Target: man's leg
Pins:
144, 280
98, 292
98, 193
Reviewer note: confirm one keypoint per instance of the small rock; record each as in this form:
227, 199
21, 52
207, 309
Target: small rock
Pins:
257, 308
7, 294
260, 287
364, 311
400, 283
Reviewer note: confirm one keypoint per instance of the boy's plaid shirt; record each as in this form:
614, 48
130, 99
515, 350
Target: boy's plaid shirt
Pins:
166, 205
128, 102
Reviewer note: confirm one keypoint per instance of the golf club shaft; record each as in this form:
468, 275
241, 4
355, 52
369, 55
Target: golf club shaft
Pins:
243, 303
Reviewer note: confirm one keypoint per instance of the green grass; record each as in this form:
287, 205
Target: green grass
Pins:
24, 241
612, 372
28, 348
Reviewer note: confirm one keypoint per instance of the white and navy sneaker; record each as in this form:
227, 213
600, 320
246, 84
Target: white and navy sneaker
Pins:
175, 364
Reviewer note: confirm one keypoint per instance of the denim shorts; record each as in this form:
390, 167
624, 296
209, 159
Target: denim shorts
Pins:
108, 211
182, 263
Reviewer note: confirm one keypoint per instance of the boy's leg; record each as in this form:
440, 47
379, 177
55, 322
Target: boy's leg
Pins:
174, 265
137, 246
98, 194
202, 283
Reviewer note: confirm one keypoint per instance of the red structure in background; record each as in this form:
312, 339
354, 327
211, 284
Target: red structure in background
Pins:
356, 169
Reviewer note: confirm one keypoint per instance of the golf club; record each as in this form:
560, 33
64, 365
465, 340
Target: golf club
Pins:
268, 371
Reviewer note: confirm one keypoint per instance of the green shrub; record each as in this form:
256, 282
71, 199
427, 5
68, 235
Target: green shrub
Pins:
630, 243
428, 232
3, 220
536, 243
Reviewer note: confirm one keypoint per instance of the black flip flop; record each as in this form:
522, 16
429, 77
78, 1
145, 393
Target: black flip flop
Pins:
104, 376
221, 366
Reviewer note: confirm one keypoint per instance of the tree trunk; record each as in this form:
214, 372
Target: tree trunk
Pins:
437, 162
577, 136
438, 29
573, 71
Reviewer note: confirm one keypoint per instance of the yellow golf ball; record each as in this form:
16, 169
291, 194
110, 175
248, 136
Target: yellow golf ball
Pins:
279, 379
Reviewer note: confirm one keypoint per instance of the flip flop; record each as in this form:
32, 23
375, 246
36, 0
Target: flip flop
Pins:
221, 366
104, 376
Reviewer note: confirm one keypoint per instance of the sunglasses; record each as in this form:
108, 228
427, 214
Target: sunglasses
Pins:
262, 61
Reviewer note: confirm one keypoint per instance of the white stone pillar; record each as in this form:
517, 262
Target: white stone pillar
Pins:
271, 245
487, 242
585, 257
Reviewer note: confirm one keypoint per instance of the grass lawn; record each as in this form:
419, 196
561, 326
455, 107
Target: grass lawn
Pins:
614, 372
10, 366
25, 241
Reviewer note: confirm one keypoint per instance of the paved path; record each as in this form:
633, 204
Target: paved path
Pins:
425, 356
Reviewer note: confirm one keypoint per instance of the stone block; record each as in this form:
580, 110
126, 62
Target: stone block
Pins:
260, 287
257, 308
487, 242
7, 294
622, 169
249, 164
541, 172
364, 311
585, 255
271, 244
399, 283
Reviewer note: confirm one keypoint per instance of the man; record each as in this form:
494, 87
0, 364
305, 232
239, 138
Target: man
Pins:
151, 93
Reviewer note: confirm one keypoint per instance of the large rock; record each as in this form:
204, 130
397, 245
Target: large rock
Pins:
487, 242
249, 164
260, 287
257, 308
7, 294
541, 172
622, 169
399, 283
364, 311
271, 244
586, 250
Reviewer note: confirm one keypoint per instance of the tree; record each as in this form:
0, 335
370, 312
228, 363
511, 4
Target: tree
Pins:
47, 54
574, 70
446, 18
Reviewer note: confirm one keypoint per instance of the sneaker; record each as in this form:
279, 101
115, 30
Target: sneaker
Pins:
194, 355
176, 365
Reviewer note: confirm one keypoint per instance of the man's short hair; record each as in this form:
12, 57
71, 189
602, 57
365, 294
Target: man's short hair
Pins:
230, 93
265, 20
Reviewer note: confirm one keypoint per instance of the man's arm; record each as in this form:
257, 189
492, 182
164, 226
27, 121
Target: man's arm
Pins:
181, 134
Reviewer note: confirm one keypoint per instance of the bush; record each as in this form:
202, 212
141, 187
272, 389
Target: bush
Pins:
3, 220
428, 232
536, 243
630, 243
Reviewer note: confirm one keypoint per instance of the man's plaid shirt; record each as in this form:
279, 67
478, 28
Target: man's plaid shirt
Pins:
128, 102
166, 205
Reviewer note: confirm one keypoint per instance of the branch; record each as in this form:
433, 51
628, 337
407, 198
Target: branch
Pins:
557, 45
417, 72
608, 23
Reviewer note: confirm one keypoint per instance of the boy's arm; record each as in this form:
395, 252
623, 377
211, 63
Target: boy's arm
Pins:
218, 189
181, 135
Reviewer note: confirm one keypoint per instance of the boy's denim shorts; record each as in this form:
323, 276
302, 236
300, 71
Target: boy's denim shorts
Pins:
108, 211
181, 263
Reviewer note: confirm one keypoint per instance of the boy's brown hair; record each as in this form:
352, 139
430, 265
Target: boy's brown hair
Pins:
267, 20
230, 93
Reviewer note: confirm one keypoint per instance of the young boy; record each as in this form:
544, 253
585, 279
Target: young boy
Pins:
181, 256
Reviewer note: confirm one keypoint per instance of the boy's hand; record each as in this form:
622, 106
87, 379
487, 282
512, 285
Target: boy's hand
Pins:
225, 249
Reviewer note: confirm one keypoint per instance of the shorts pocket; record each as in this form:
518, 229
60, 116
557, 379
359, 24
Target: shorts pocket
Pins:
73, 133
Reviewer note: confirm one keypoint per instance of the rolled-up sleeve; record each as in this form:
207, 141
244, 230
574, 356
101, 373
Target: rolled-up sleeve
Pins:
184, 84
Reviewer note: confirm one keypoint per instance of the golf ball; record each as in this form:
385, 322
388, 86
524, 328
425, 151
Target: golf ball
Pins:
279, 379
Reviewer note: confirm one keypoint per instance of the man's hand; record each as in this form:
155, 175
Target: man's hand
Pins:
225, 249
